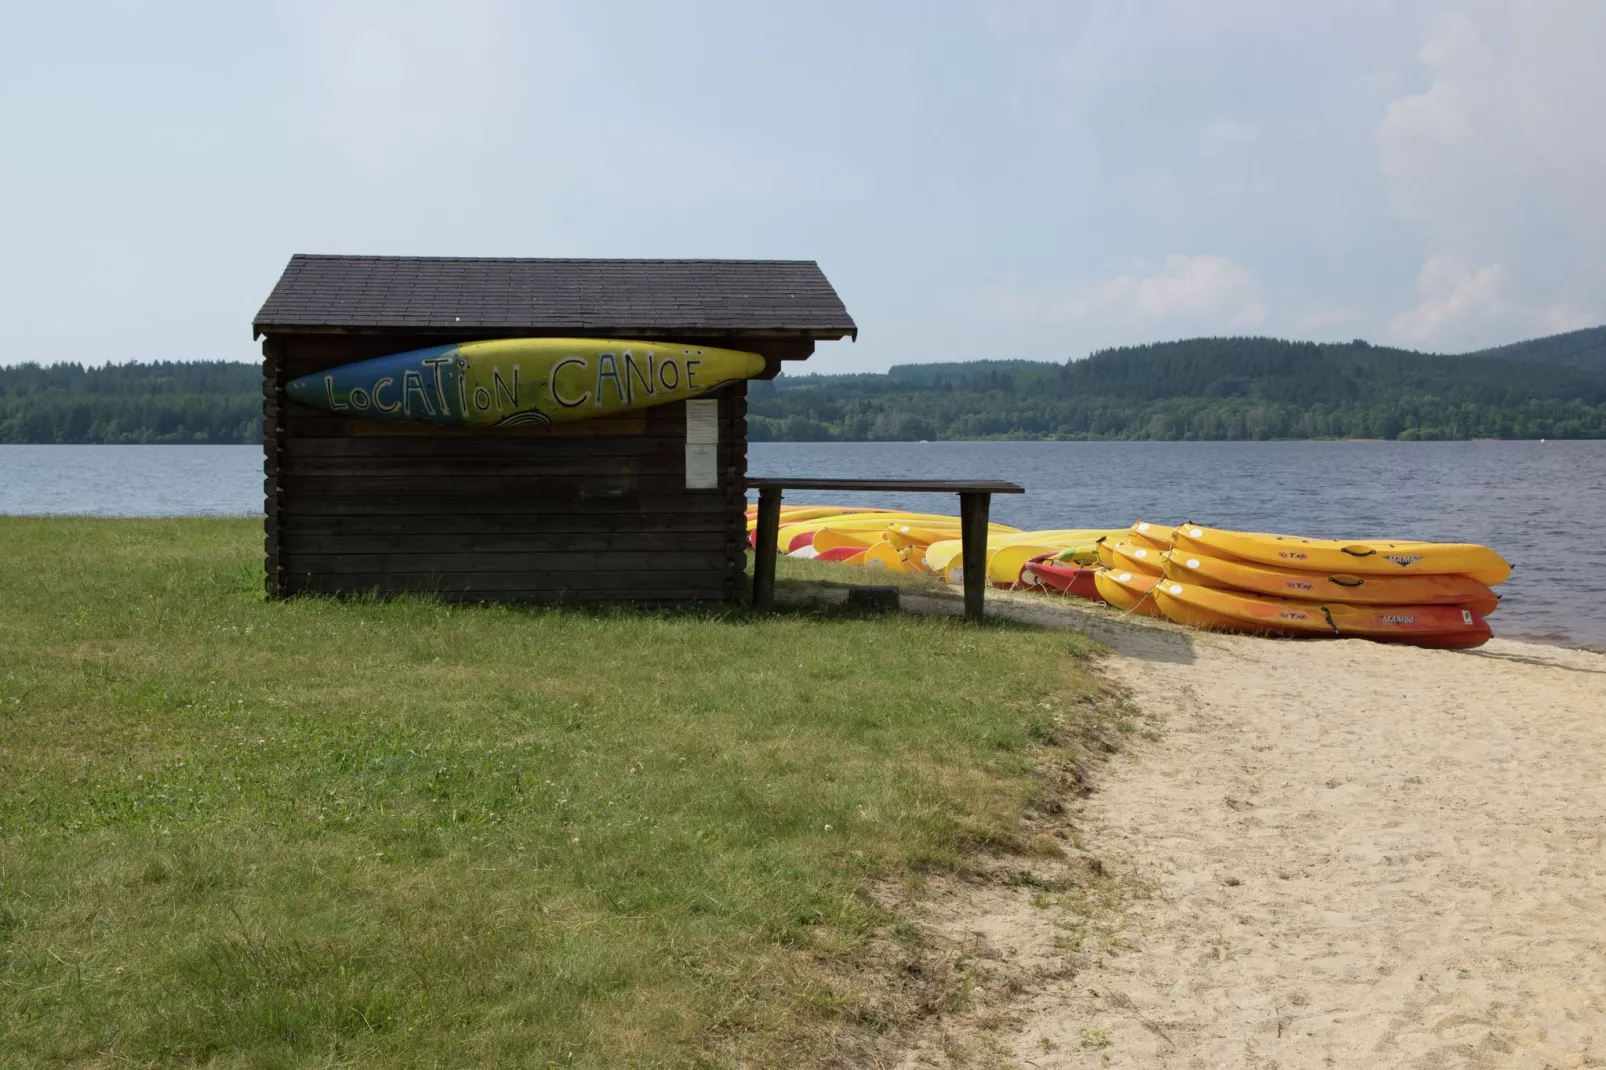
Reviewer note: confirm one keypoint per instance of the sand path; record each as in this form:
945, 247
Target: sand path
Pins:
1359, 855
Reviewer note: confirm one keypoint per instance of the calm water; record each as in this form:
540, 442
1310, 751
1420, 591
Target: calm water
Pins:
1541, 505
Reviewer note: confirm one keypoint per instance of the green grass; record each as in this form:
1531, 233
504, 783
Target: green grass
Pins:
239, 833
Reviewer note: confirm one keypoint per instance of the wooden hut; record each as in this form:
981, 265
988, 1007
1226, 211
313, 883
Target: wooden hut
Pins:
595, 510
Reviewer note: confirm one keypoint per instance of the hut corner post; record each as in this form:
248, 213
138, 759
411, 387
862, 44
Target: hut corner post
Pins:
273, 379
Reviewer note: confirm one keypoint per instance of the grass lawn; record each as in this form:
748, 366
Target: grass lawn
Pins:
319, 833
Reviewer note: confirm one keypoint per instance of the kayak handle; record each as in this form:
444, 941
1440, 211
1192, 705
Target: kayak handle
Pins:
1346, 581
1329, 615
1365, 551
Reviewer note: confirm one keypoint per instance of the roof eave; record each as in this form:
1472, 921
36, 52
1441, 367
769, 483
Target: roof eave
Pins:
817, 334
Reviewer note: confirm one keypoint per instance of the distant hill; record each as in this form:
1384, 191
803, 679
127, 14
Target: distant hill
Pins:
1200, 388
1584, 349
1209, 388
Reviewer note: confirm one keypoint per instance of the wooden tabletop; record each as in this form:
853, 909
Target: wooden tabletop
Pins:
924, 486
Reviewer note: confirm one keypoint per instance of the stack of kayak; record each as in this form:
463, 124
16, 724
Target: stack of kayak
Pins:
1422, 593
920, 543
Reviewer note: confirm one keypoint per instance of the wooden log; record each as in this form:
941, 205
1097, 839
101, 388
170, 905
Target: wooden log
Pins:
580, 567
645, 585
649, 545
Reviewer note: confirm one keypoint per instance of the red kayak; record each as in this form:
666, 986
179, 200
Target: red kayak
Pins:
1052, 575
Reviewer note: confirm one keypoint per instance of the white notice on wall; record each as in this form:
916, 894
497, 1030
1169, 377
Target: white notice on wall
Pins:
702, 466
702, 445
702, 423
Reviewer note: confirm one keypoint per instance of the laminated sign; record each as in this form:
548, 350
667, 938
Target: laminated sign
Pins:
702, 445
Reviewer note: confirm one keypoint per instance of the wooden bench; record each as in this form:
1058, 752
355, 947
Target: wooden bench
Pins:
975, 500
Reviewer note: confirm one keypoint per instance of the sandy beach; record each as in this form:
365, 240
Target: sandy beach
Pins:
1351, 855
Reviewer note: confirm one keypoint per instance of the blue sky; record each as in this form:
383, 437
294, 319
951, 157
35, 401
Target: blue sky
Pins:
994, 179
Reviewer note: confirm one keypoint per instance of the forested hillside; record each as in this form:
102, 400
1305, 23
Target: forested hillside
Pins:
168, 401
1584, 349
1206, 388
1202, 388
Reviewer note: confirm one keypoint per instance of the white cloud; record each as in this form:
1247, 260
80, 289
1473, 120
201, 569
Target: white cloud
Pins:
1498, 162
1460, 306
1206, 291
1421, 131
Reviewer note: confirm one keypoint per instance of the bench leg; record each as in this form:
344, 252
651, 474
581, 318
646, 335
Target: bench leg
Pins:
767, 531
973, 509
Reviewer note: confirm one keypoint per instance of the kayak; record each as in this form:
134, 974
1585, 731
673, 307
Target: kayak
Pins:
884, 555
943, 558
903, 536
1127, 591
1365, 557
1234, 611
1137, 558
829, 538
801, 533
1085, 554
806, 512
1066, 579
1005, 561
1337, 587
839, 553
1151, 536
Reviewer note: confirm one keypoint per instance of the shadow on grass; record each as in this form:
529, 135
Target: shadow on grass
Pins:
825, 601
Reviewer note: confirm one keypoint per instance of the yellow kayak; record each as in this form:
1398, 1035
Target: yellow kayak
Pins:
1007, 553
793, 513
915, 533
1137, 558
789, 537
884, 555
1151, 536
829, 538
1365, 557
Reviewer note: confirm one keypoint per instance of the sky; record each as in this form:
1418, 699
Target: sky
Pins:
995, 179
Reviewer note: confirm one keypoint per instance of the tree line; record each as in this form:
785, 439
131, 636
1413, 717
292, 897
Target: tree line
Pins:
1198, 389
166, 401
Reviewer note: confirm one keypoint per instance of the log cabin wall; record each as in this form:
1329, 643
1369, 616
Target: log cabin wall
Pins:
595, 510
590, 511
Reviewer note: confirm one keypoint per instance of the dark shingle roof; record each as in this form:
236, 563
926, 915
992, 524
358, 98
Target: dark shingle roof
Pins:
540, 295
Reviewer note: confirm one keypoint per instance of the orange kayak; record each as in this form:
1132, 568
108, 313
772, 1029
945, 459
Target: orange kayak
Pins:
1128, 591
1234, 611
1405, 590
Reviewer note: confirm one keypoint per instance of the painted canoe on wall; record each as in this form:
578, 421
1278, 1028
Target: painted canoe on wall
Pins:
508, 382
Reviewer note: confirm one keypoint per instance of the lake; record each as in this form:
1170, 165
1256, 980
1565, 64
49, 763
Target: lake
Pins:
1542, 505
